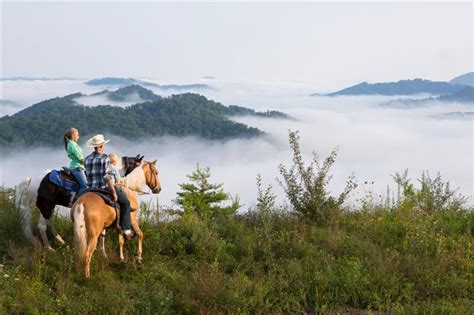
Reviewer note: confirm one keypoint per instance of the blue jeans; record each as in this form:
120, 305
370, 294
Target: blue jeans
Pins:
80, 175
125, 209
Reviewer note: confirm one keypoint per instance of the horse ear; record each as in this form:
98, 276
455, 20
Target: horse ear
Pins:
141, 158
154, 162
138, 156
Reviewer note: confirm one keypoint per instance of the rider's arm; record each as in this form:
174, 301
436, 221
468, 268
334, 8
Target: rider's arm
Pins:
110, 184
109, 178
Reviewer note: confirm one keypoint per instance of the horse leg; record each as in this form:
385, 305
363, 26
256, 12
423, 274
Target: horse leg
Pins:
139, 233
92, 237
55, 233
102, 245
121, 243
42, 225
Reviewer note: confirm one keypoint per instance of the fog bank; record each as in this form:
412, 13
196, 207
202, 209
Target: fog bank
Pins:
374, 142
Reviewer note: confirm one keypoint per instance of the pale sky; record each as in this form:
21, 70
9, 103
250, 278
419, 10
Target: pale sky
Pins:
322, 43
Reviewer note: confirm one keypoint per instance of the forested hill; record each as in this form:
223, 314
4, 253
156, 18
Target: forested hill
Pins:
180, 115
128, 93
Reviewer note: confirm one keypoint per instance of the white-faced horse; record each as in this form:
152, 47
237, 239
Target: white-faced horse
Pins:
47, 196
91, 215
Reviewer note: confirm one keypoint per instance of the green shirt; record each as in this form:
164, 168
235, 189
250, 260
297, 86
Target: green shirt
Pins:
74, 152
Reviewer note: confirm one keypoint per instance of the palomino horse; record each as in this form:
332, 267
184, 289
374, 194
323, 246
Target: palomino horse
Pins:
47, 196
91, 216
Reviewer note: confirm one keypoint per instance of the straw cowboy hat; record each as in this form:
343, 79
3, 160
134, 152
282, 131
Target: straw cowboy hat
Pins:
96, 141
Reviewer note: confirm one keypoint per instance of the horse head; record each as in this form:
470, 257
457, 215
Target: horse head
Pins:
151, 176
131, 163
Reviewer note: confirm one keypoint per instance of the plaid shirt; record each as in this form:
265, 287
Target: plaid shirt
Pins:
98, 170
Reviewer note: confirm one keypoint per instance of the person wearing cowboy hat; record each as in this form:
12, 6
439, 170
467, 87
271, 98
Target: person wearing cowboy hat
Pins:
100, 175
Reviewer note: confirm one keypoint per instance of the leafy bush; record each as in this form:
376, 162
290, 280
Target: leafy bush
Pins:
306, 186
434, 194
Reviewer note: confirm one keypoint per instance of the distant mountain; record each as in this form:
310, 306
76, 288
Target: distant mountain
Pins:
131, 81
180, 115
4, 102
465, 79
464, 95
8, 107
402, 87
129, 93
455, 115
234, 110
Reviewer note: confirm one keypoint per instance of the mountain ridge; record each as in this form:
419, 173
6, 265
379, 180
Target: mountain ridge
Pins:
464, 79
178, 115
401, 87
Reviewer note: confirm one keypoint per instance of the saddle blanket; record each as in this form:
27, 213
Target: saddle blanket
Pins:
105, 195
56, 179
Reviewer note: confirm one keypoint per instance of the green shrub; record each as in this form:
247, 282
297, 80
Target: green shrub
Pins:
306, 186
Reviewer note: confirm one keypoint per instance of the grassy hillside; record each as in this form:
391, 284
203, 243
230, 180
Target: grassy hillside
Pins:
409, 255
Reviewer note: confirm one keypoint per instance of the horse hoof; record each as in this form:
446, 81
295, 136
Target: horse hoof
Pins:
50, 249
139, 260
60, 240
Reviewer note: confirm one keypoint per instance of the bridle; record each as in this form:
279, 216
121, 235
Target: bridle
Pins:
152, 182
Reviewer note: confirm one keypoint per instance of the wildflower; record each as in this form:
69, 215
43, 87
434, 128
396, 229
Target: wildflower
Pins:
16, 279
6, 276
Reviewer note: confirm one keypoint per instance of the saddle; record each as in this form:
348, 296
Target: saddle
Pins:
105, 195
66, 174
108, 198
64, 179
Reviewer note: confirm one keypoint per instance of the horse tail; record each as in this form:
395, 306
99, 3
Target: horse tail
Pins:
80, 235
23, 204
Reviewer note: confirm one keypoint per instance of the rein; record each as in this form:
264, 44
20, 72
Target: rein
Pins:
140, 192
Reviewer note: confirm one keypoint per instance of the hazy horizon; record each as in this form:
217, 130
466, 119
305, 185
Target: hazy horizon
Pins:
327, 45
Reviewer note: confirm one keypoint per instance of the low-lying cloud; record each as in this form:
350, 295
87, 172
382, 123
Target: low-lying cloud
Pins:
374, 142
96, 100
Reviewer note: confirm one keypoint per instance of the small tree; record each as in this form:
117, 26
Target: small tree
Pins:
265, 197
306, 186
434, 194
203, 198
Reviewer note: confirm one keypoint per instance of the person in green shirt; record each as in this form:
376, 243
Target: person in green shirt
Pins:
74, 152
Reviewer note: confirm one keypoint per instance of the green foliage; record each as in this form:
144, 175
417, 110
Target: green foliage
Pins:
306, 186
433, 195
265, 198
389, 260
204, 199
